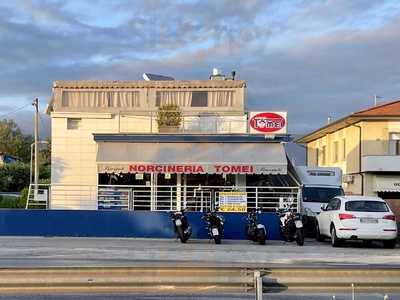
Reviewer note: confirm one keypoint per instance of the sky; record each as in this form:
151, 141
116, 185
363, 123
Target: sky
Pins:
313, 59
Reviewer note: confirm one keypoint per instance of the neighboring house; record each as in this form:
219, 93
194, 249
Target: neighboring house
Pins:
7, 159
366, 145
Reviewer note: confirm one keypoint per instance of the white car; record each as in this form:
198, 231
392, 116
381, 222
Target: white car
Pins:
357, 218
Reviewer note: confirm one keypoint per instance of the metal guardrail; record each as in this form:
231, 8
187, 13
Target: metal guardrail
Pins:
158, 197
202, 280
144, 279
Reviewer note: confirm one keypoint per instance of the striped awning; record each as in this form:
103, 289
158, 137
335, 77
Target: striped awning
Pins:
386, 183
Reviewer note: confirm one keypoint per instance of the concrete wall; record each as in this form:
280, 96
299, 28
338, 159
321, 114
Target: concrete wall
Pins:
120, 224
74, 159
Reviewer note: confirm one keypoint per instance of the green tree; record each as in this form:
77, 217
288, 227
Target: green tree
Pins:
13, 141
14, 177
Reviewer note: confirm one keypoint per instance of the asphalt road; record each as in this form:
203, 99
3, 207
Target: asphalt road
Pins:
375, 296
58, 251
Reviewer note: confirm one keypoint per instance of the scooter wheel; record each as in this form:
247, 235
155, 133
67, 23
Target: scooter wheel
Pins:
262, 237
300, 237
181, 236
217, 239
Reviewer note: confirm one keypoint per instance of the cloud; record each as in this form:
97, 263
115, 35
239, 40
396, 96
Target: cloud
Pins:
313, 59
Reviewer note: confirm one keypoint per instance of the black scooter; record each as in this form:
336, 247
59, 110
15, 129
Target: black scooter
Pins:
255, 231
215, 226
291, 225
181, 226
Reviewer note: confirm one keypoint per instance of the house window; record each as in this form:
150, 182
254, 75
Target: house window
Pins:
180, 98
343, 149
196, 98
323, 154
335, 151
394, 144
103, 99
73, 123
199, 99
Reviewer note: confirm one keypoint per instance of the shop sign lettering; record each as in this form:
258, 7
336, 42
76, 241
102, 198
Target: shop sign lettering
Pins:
166, 168
141, 168
268, 122
231, 169
155, 168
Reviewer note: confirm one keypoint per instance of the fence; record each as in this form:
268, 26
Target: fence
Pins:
156, 197
191, 122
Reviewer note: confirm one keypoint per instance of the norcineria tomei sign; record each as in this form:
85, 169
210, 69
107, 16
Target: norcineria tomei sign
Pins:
268, 122
191, 168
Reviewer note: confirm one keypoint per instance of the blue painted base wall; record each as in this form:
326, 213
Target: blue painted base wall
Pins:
118, 223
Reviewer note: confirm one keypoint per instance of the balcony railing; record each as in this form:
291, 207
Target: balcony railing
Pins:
381, 163
193, 122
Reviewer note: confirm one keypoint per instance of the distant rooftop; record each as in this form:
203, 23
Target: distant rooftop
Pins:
386, 110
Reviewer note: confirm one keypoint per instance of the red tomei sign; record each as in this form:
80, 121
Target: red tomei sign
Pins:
268, 122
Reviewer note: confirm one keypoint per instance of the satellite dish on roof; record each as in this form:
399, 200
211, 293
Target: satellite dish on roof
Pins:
156, 77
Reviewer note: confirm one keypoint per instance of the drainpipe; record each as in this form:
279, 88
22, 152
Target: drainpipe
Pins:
359, 158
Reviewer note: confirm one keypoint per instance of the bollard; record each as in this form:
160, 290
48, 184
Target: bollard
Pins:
258, 285
386, 297
353, 296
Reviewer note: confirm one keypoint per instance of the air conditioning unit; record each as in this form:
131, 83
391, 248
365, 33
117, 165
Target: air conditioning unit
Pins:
348, 178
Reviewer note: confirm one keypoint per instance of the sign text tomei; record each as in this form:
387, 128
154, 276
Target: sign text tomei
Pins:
268, 122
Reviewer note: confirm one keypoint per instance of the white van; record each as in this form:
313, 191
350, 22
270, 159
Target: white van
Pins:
318, 186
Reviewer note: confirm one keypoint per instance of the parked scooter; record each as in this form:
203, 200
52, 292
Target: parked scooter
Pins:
291, 225
255, 231
215, 225
181, 225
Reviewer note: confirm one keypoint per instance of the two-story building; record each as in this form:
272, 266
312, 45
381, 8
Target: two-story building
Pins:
366, 146
108, 151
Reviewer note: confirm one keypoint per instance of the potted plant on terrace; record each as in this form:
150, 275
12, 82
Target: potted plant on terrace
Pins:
169, 118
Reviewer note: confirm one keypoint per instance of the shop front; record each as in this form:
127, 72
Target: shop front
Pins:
175, 172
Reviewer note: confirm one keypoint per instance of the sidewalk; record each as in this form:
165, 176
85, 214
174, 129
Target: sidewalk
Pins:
95, 252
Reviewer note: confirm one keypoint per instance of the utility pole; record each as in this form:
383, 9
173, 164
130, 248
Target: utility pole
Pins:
36, 130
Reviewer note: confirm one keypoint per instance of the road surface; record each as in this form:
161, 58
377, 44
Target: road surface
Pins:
60, 251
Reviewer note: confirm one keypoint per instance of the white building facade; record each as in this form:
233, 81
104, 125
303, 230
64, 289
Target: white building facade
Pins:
106, 133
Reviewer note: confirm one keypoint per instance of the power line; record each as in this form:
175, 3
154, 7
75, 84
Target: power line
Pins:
14, 111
